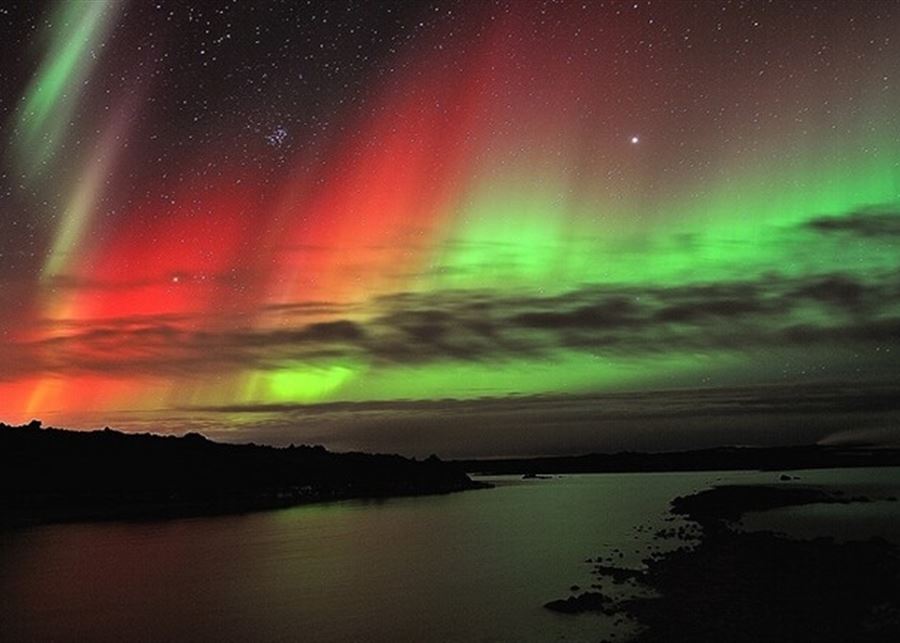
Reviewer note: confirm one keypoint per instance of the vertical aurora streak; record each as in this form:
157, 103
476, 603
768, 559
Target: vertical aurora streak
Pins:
51, 98
89, 186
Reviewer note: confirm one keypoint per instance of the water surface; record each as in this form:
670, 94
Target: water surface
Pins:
473, 566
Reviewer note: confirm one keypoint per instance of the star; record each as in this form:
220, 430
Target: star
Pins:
634, 140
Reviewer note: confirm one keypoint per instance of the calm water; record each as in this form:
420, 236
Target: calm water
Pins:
474, 566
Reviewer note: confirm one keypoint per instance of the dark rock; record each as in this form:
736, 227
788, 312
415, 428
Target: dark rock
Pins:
619, 575
584, 602
730, 502
742, 587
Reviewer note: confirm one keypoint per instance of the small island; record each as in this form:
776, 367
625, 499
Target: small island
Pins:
55, 475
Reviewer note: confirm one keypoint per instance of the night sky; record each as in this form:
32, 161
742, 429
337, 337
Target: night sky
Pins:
476, 228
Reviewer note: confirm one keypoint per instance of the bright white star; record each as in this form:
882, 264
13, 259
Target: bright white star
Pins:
635, 140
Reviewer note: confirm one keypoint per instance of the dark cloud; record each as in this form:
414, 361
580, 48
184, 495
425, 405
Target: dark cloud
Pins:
823, 312
308, 308
609, 312
879, 331
704, 311
839, 291
867, 223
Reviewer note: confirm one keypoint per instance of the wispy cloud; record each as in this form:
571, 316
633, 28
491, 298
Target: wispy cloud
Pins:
874, 223
623, 321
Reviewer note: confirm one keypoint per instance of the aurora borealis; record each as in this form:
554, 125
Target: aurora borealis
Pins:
341, 221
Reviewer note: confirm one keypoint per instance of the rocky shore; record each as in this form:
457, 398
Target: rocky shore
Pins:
725, 584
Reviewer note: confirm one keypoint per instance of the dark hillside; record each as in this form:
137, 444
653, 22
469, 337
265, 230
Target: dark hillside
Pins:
53, 474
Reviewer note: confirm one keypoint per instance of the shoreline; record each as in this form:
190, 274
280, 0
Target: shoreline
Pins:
727, 584
163, 511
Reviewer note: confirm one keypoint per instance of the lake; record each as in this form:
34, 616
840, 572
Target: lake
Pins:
472, 566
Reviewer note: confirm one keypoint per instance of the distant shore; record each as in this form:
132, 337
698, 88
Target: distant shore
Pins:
786, 458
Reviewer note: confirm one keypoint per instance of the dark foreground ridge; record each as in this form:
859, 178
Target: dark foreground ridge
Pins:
717, 459
736, 586
49, 474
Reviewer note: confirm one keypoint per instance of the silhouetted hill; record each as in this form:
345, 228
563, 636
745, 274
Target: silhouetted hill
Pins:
718, 459
49, 474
